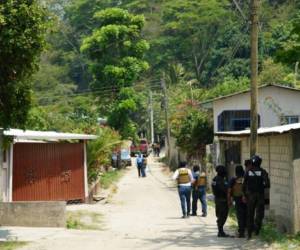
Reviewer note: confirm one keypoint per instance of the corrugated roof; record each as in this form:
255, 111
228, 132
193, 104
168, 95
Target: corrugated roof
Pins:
262, 131
248, 90
46, 135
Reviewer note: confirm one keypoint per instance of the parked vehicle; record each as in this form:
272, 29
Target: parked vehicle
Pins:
121, 158
125, 157
142, 147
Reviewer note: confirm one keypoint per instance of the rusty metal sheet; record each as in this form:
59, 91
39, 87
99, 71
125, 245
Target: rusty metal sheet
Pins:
48, 171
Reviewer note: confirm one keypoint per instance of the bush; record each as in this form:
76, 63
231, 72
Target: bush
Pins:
100, 151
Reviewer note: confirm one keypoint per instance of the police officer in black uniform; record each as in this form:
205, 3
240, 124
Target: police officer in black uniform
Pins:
235, 193
255, 181
220, 189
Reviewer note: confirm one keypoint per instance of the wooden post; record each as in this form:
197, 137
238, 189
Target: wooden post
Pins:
151, 116
166, 106
254, 74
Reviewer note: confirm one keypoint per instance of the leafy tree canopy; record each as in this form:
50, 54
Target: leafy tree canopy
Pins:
116, 48
22, 29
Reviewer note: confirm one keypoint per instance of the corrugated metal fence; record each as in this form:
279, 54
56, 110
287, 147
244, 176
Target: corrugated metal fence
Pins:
48, 171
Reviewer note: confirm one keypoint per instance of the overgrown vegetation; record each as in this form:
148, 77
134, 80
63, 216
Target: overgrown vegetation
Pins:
84, 220
110, 177
270, 234
100, 151
11, 245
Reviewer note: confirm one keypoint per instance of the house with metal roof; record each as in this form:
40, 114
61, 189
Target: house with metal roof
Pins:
44, 166
277, 105
279, 148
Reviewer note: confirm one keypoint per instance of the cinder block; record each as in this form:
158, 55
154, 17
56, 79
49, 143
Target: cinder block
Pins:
33, 214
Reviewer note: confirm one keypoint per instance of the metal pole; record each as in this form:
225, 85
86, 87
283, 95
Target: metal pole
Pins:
166, 107
1, 162
254, 74
151, 117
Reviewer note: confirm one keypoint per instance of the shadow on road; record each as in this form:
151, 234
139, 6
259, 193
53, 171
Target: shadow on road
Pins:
196, 237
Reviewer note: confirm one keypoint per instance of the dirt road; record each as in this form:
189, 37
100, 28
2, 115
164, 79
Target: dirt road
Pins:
144, 214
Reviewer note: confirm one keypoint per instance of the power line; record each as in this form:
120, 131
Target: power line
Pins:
96, 90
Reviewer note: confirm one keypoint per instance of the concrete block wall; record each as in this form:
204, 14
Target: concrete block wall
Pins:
296, 188
33, 214
276, 152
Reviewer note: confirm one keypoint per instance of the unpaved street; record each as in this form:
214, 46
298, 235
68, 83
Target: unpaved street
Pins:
143, 214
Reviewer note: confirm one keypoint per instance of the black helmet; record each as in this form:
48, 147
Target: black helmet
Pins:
182, 164
221, 170
256, 161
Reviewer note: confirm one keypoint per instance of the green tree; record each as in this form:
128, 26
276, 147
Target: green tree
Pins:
123, 113
192, 28
290, 50
22, 29
275, 73
195, 131
116, 49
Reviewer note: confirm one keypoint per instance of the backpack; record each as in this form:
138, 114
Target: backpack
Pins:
139, 160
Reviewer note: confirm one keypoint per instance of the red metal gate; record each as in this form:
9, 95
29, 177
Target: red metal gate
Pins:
48, 171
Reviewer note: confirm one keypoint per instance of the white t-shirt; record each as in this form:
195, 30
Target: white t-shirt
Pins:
176, 175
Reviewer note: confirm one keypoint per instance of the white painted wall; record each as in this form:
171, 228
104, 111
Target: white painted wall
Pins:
272, 103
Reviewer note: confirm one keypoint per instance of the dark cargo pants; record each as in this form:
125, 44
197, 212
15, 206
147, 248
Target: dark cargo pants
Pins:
255, 211
221, 213
241, 214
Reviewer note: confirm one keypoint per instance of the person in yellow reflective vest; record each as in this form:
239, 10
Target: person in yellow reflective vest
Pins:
184, 179
235, 193
199, 191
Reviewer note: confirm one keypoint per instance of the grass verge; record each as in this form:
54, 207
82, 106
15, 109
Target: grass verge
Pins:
11, 245
270, 234
84, 220
110, 177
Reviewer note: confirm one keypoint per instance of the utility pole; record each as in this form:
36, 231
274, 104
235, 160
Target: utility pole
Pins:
296, 72
166, 107
254, 73
1, 162
151, 116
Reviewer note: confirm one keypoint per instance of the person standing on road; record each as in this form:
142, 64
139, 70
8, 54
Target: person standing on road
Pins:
184, 179
199, 191
255, 182
144, 167
139, 164
220, 190
235, 193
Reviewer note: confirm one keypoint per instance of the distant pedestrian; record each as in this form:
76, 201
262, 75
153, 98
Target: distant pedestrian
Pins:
144, 167
184, 179
255, 182
199, 191
156, 149
220, 189
235, 193
139, 164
